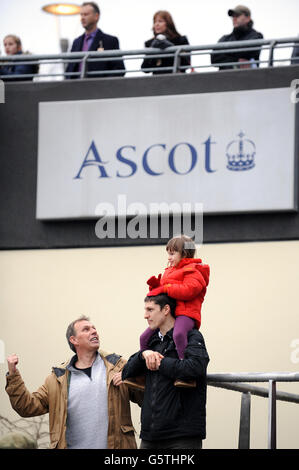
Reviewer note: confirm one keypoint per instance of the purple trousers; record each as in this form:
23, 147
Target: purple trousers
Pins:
180, 331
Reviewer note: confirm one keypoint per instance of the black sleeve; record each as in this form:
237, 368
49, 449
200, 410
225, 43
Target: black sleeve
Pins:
136, 396
193, 366
218, 57
134, 367
186, 57
251, 53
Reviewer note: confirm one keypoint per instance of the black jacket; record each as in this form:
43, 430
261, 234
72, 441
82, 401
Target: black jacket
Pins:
157, 63
101, 40
241, 33
168, 411
12, 72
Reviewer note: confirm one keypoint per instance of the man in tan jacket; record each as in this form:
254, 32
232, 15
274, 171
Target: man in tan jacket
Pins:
88, 405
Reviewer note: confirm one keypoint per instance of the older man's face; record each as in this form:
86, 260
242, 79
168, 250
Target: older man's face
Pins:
86, 337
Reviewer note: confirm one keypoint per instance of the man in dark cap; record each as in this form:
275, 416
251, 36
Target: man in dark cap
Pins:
243, 31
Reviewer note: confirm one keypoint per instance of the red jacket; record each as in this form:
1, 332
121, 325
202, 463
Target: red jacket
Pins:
187, 283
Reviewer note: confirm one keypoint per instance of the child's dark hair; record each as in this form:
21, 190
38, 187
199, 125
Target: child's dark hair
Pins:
183, 244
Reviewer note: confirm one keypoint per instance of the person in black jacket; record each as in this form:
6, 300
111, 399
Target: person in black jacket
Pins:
165, 35
243, 31
171, 417
94, 40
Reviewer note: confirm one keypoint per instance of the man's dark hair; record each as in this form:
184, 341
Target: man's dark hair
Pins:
93, 5
72, 332
162, 300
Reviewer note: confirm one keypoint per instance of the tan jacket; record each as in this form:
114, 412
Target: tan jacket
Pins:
52, 398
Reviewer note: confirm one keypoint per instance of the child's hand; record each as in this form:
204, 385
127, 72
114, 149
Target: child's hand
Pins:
154, 281
156, 291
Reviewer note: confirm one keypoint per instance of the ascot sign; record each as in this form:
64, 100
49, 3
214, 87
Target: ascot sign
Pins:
239, 158
228, 151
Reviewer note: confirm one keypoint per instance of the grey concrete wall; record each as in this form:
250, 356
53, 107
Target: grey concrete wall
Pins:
19, 228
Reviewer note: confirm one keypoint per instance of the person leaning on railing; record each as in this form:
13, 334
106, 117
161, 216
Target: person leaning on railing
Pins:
94, 39
165, 35
13, 46
243, 31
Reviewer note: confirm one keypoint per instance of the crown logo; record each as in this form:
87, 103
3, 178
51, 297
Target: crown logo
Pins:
240, 154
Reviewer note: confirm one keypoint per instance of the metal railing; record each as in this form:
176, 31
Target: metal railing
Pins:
196, 53
231, 381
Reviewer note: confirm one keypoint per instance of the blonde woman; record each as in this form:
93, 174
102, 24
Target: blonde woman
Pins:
13, 46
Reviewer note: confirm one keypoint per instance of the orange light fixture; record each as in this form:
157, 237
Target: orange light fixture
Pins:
62, 9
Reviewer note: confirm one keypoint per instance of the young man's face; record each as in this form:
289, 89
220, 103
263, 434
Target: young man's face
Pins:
240, 20
86, 337
154, 315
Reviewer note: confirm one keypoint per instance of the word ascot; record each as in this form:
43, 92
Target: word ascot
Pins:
151, 161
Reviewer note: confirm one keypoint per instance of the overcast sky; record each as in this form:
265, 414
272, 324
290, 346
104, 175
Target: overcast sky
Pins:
131, 20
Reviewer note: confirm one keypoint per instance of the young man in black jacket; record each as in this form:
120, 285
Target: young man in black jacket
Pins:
243, 31
171, 417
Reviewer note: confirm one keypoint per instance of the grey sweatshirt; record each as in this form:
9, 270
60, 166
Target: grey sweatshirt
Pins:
87, 411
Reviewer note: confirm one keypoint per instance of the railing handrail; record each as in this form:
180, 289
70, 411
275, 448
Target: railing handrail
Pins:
177, 52
231, 381
253, 377
230, 45
258, 391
